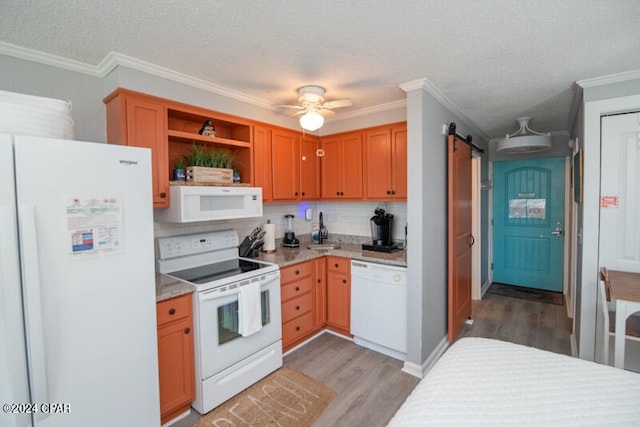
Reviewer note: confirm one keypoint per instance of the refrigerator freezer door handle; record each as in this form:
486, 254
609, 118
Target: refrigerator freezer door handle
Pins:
33, 306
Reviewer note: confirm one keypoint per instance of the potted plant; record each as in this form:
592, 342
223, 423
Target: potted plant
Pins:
179, 172
208, 165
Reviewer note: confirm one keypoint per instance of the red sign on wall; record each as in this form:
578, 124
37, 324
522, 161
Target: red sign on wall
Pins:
607, 202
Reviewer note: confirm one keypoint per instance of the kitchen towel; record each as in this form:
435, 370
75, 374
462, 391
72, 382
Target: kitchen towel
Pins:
269, 237
249, 309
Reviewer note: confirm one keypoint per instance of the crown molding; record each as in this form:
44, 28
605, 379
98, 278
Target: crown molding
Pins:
32, 55
394, 105
115, 59
427, 85
612, 78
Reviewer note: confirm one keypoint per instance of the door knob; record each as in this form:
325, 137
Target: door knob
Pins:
558, 232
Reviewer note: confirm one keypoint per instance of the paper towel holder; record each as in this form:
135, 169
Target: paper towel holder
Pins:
269, 238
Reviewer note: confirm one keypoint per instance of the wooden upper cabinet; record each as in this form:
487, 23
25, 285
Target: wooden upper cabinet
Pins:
341, 166
262, 161
385, 162
140, 121
309, 167
399, 160
285, 152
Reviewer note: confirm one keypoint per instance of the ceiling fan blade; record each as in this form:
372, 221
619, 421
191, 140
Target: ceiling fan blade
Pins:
338, 103
296, 107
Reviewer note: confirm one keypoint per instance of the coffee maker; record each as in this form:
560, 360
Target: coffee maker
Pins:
381, 231
289, 240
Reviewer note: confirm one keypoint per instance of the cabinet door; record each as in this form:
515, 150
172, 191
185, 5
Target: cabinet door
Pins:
309, 168
338, 302
352, 166
399, 156
331, 166
285, 149
175, 363
377, 164
320, 292
147, 127
262, 169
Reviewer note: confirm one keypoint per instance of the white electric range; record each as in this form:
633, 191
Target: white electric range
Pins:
228, 359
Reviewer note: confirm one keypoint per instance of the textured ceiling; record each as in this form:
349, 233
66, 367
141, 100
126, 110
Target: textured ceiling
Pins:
494, 60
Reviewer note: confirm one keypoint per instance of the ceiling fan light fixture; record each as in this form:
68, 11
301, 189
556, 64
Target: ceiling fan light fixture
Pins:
311, 120
524, 140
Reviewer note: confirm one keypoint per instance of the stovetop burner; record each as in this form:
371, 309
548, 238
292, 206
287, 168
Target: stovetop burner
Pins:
207, 260
220, 270
381, 248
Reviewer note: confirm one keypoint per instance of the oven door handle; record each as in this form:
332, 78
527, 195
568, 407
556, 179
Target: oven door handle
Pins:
216, 293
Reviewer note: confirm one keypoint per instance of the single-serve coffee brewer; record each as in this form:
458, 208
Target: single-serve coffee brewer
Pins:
381, 231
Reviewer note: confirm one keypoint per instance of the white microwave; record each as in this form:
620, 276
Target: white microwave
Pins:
207, 203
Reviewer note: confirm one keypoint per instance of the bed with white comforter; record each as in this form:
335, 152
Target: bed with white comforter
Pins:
481, 381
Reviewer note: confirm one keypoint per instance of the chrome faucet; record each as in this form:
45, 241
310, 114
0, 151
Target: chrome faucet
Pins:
323, 230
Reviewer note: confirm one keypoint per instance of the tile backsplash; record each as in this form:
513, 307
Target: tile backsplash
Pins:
340, 218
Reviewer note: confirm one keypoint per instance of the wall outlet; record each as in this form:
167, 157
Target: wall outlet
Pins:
445, 129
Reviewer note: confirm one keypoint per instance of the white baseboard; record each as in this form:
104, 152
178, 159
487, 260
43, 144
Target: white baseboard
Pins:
421, 370
484, 288
314, 337
176, 419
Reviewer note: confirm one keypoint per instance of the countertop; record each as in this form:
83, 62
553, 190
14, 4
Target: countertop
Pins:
287, 256
167, 287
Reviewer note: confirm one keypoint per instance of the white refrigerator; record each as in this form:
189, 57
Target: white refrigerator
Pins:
78, 342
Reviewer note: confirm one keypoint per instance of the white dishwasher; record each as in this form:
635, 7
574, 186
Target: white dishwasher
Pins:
379, 307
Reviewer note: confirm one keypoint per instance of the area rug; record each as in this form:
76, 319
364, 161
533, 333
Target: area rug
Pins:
284, 398
526, 293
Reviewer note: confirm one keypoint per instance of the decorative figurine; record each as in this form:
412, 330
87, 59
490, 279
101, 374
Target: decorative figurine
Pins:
208, 129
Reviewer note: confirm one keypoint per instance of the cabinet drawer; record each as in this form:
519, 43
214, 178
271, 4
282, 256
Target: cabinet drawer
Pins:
173, 309
296, 271
338, 264
295, 289
296, 328
296, 307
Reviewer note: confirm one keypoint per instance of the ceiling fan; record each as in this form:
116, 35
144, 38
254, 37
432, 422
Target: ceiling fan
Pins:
312, 106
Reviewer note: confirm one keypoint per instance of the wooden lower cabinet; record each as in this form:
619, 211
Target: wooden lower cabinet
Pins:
175, 356
296, 294
308, 305
320, 303
339, 294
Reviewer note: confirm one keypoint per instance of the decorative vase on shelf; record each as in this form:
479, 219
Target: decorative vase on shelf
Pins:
236, 176
179, 175
179, 172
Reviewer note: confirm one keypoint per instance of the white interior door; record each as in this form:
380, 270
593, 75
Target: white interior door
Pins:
619, 196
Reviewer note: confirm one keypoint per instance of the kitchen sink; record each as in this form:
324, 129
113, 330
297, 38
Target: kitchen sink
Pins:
324, 246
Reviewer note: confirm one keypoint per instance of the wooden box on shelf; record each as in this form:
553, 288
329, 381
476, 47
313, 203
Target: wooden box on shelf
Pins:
198, 174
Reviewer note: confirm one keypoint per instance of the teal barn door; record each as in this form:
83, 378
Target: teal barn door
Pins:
528, 231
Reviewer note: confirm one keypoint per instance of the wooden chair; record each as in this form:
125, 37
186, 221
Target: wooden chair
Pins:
608, 305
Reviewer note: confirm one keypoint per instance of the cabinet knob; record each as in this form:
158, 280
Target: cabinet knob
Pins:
337, 193
344, 281
337, 265
342, 193
163, 195
297, 288
303, 193
393, 191
297, 307
296, 193
388, 192
318, 280
172, 311
297, 272
187, 330
297, 328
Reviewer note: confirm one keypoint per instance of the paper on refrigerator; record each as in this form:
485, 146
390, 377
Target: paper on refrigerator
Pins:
94, 225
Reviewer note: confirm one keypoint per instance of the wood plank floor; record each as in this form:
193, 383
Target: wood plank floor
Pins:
531, 323
370, 387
